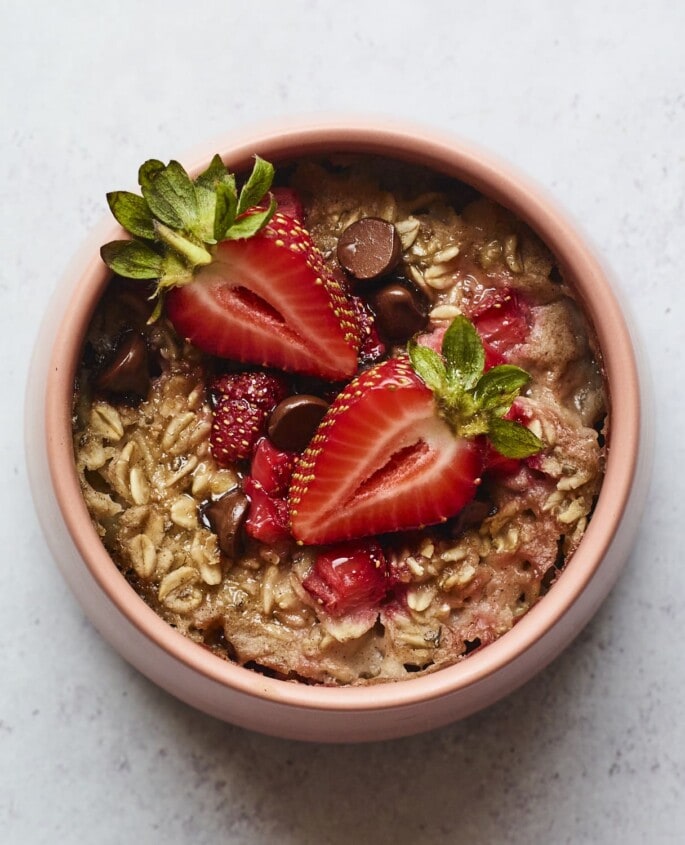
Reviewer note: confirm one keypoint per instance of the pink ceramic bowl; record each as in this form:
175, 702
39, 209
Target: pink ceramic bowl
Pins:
294, 710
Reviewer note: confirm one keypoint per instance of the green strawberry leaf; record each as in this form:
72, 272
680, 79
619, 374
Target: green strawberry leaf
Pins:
257, 185
132, 259
512, 439
132, 212
148, 170
226, 206
160, 206
250, 224
172, 198
463, 352
216, 172
499, 386
428, 365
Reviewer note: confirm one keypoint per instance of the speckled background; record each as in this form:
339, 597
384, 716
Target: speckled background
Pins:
589, 98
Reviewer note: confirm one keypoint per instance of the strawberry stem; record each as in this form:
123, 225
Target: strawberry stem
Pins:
195, 255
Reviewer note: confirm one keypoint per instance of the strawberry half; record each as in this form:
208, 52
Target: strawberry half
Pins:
382, 460
401, 447
270, 300
241, 279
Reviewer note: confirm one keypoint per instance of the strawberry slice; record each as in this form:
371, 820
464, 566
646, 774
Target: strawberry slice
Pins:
382, 460
270, 300
348, 577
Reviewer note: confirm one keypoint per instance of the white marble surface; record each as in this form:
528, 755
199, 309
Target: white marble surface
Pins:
587, 97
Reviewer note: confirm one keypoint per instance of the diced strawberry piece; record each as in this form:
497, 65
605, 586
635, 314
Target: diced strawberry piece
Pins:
289, 203
371, 348
382, 460
272, 468
270, 300
497, 464
433, 340
502, 319
242, 404
348, 577
268, 517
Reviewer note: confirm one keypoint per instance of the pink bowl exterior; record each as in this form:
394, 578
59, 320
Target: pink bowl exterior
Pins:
294, 710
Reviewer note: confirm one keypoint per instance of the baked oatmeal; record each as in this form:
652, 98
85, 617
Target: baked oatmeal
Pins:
359, 429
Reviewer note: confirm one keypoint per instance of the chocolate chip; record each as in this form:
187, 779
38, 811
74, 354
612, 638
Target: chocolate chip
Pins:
369, 248
400, 313
127, 373
294, 420
226, 517
471, 516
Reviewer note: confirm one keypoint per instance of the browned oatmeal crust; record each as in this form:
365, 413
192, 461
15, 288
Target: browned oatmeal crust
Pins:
146, 470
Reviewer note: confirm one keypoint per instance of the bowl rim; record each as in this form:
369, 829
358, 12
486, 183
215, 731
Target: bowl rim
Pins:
494, 178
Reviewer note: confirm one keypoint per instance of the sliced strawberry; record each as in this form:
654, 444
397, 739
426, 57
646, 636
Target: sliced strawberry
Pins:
242, 404
382, 460
502, 319
270, 300
348, 577
268, 516
272, 468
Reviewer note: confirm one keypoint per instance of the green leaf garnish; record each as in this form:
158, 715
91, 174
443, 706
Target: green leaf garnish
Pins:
132, 259
429, 365
147, 172
463, 352
257, 185
225, 208
133, 213
250, 224
512, 439
472, 400
498, 387
183, 219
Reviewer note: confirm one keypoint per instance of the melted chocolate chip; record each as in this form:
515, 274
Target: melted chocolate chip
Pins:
294, 421
400, 313
369, 248
127, 373
470, 516
226, 517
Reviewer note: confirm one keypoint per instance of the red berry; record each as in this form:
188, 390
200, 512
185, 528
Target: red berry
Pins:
502, 319
242, 405
268, 517
381, 460
272, 468
270, 300
348, 577
289, 203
